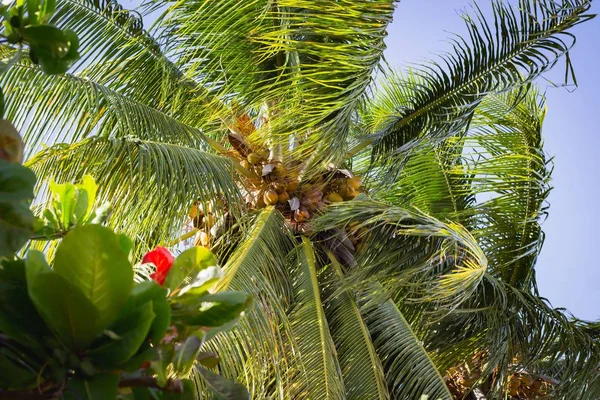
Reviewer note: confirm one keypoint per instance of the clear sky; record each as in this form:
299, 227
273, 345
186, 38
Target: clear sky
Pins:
567, 270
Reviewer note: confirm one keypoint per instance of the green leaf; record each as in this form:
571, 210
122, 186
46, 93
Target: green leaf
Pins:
189, 262
65, 198
16, 182
161, 365
91, 258
62, 305
145, 353
203, 281
211, 310
132, 329
207, 359
151, 291
221, 387
14, 376
98, 387
185, 354
18, 317
16, 220
33, 9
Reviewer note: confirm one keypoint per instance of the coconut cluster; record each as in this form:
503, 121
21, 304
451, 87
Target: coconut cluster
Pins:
520, 385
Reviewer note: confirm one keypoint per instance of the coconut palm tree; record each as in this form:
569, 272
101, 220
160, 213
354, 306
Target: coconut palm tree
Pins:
386, 223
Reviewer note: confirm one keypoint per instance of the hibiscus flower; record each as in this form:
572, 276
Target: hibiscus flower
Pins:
162, 260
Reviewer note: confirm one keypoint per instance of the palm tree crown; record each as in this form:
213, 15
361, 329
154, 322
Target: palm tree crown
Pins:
388, 231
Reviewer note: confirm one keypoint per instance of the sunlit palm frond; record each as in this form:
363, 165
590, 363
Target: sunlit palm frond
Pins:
157, 183
361, 367
321, 377
120, 55
410, 372
66, 108
309, 60
494, 181
513, 48
444, 271
259, 352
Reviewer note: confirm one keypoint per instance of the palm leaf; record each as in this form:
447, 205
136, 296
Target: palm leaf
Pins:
256, 352
322, 375
410, 372
282, 55
157, 182
512, 49
360, 365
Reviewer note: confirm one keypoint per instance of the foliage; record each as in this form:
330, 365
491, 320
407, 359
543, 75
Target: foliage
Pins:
387, 232
81, 327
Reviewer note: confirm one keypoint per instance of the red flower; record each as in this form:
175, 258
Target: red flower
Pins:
163, 260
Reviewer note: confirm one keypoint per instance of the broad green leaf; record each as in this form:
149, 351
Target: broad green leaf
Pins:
89, 187
16, 226
203, 281
151, 291
131, 331
65, 200
63, 306
16, 182
187, 263
91, 258
207, 359
145, 353
126, 245
223, 388
16, 220
211, 310
33, 9
98, 387
18, 317
185, 354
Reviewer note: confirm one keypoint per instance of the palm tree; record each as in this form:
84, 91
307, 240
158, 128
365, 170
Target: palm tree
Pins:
388, 231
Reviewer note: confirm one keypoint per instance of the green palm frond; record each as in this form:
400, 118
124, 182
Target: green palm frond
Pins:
312, 59
157, 182
323, 377
66, 108
256, 352
410, 372
120, 55
516, 46
445, 271
494, 181
361, 367
517, 325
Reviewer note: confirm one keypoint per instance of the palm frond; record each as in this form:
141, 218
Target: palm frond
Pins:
256, 352
311, 59
450, 266
410, 372
66, 108
361, 367
516, 46
494, 181
519, 331
322, 375
120, 55
157, 183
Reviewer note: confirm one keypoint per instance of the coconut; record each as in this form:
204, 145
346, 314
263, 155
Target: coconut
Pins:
270, 197
334, 197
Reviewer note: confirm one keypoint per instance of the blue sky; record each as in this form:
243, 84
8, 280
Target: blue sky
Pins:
567, 271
